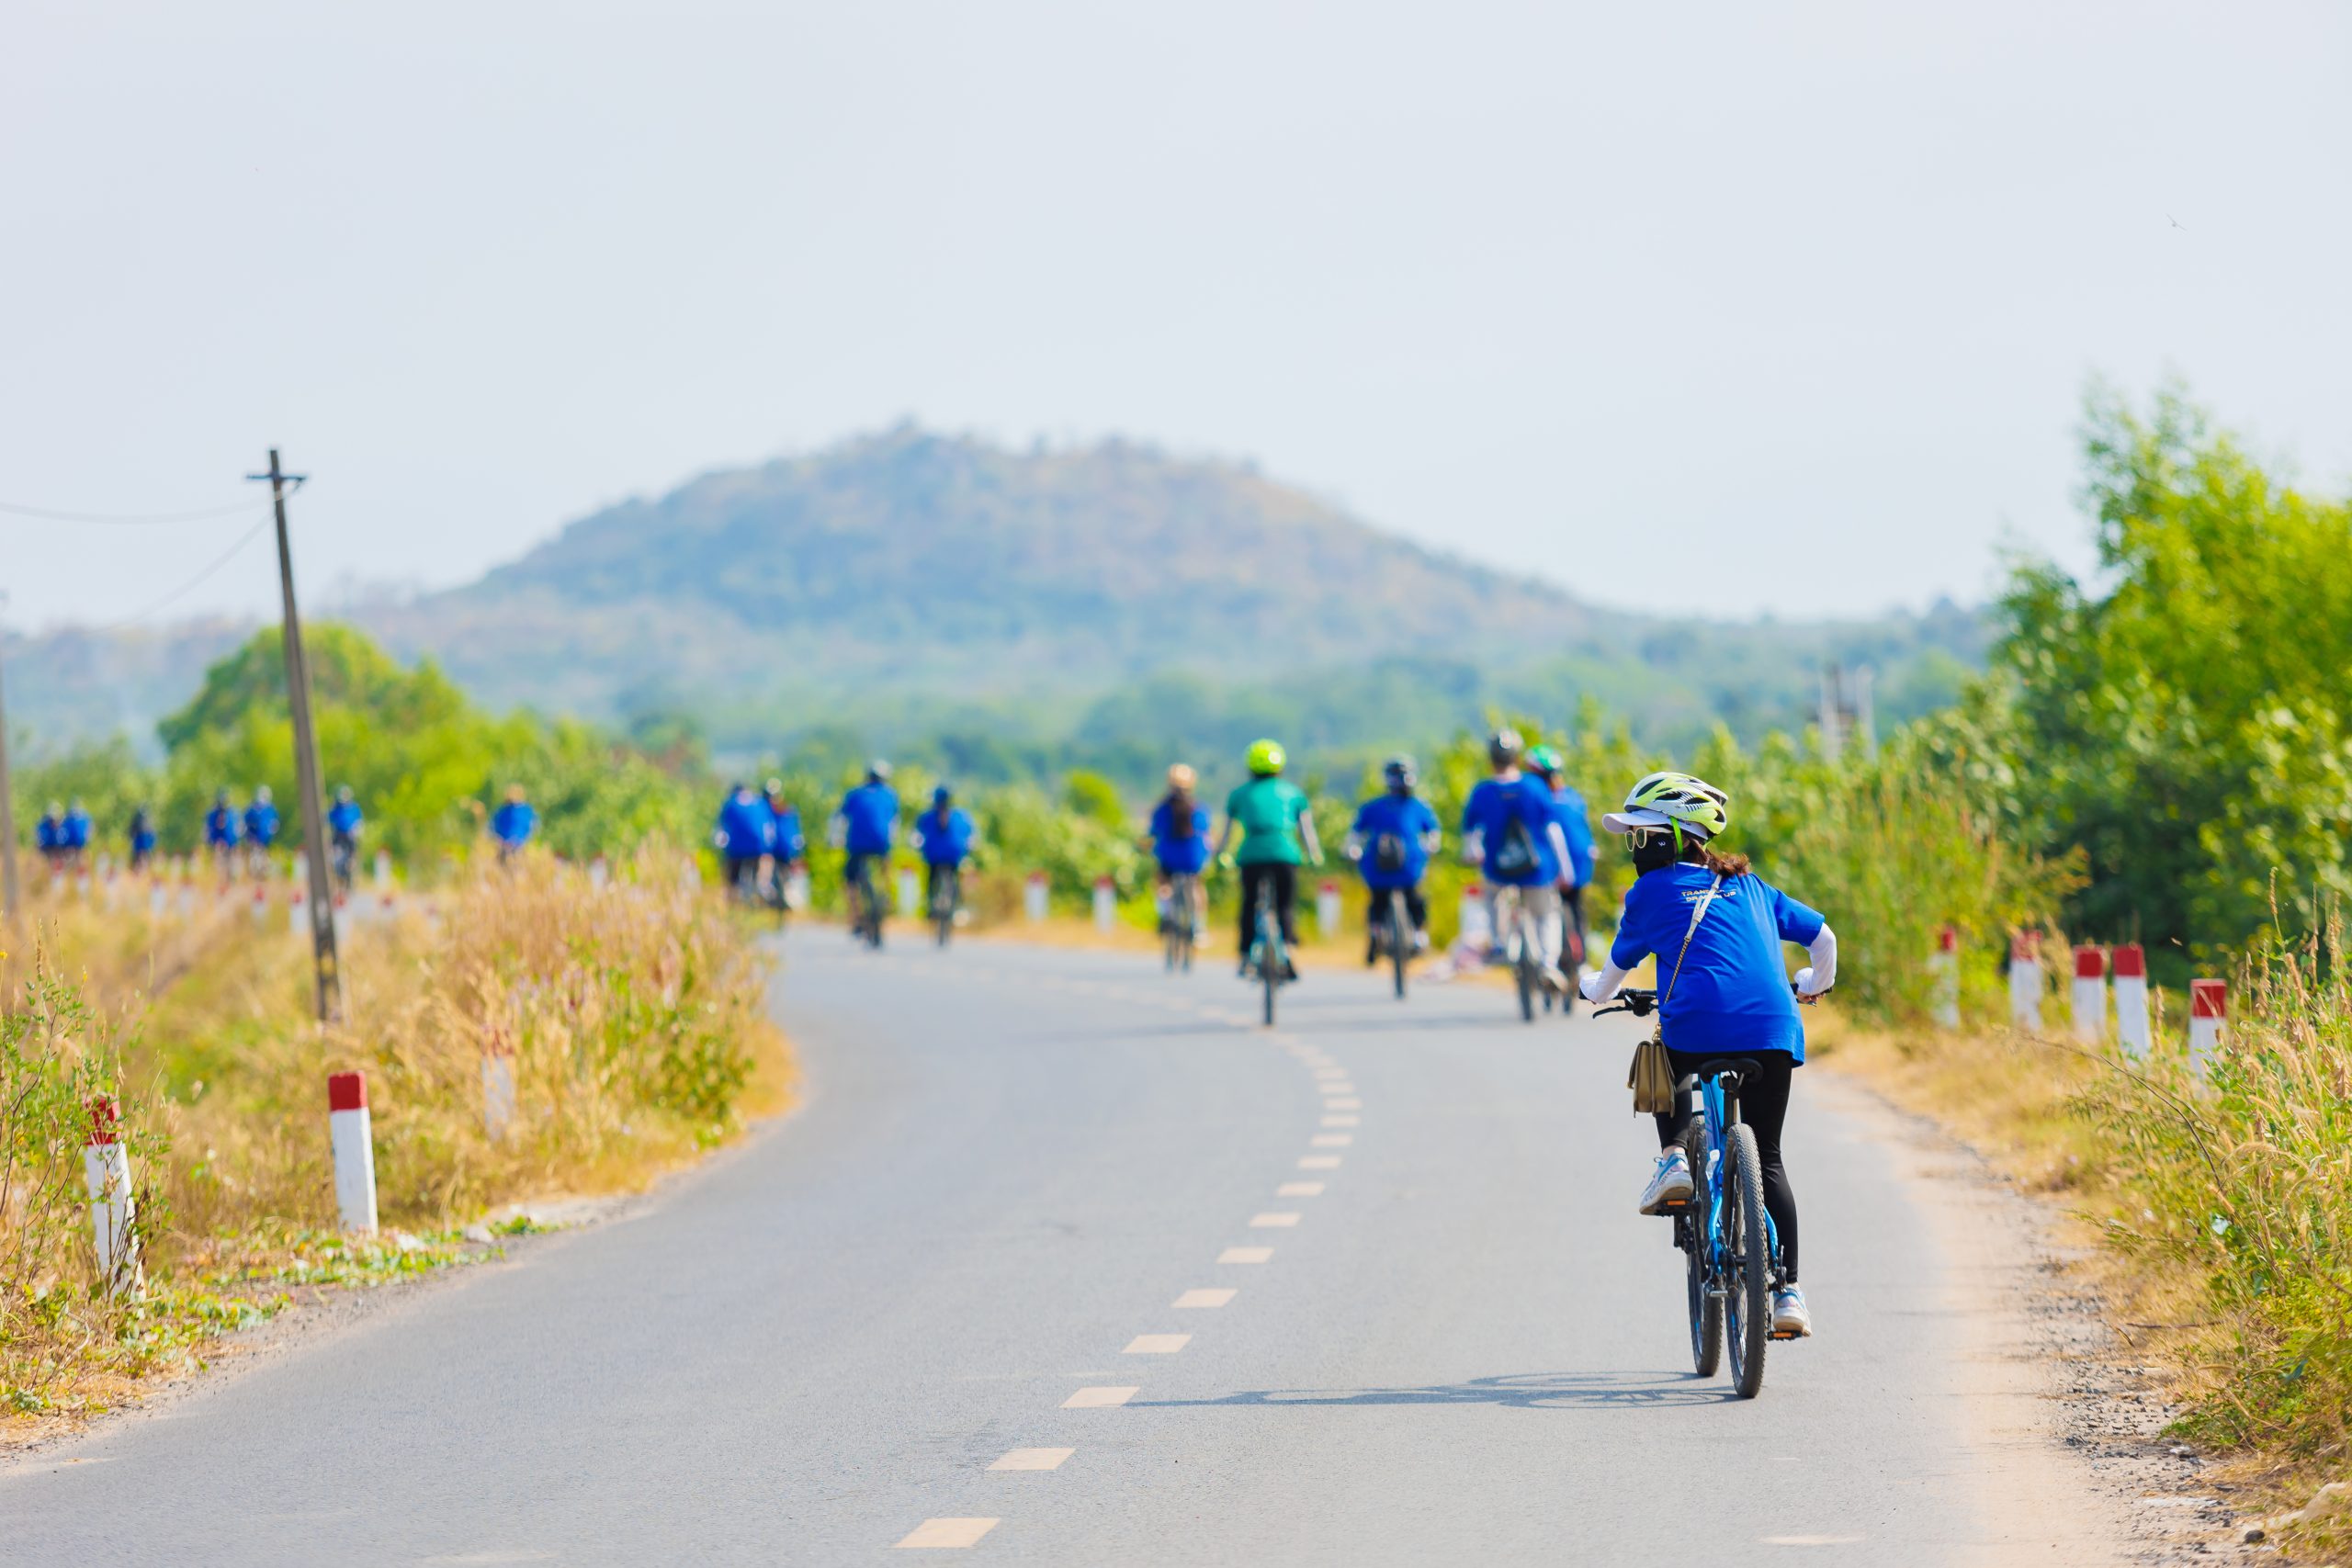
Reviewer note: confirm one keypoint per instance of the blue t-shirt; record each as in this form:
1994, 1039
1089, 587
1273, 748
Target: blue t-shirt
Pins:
221, 825
512, 823
261, 824
870, 816
746, 826
947, 843
49, 833
1732, 995
1185, 851
344, 818
1493, 805
1576, 826
1410, 818
77, 830
788, 843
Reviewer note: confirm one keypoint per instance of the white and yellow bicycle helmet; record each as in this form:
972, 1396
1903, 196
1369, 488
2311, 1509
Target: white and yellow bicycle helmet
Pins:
1681, 801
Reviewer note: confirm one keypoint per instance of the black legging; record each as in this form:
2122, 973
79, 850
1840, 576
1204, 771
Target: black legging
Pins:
1284, 877
1763, 1106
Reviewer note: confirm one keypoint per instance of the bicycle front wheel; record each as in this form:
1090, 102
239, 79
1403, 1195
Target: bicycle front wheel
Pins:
1401, 940
1706, 1307
1746, 1246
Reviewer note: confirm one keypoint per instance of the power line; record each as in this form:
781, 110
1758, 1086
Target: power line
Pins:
247, 537
47, 514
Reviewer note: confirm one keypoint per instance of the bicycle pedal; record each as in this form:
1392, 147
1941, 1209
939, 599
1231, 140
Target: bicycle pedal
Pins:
1676, 1206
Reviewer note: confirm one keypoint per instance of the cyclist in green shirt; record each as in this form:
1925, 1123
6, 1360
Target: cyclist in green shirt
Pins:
1277, 837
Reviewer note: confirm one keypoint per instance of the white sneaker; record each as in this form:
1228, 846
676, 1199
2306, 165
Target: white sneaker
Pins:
1670, 1183
1553, 981
1790, 1315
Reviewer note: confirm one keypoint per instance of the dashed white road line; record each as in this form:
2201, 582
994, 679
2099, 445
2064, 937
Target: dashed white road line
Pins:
1210, 1296
1350, 1120
1158, 1344
1099, 1398
1273, 1220
1343, 1104
1299, 1190
1331, 1140
1330, 1072
1318, 1162
1245, 1255
948, 1532
1033, 1459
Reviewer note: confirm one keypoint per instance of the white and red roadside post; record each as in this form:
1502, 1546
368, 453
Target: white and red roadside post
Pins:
1106, 903
599, 873
1944, 965
383, 873
497, 1084
1476, 929
106, 1170
2208, 1005
355, 1151
1032, 897
2090, 995
261, 904
298, 911
909, 893
2025, 981
2132, 1000
1327, 909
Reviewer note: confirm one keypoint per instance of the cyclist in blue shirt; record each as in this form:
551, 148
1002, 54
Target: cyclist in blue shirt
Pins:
1576, 826
865, 826
49, 837
1180, 841
261, 830
1393, 836
77, 834
1715, 929
343, 823
945, 838
787, 844
1509, 831
142, 837
513, 823
222, 828
745, 836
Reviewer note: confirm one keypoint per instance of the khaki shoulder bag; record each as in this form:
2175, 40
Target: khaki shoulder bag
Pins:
1652, 1075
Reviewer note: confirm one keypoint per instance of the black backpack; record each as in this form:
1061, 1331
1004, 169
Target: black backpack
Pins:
1514, 859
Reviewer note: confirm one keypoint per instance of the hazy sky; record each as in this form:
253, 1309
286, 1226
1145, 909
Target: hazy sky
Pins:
1806, 294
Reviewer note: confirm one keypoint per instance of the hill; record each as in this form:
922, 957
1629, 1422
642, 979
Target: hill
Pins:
913, 583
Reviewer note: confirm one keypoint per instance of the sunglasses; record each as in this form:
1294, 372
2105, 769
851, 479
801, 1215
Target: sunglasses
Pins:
1639, 838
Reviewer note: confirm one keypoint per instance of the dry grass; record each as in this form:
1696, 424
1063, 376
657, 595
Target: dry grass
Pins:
636, 1021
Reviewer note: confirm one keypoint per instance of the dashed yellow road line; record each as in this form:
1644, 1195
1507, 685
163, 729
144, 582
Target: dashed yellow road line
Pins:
1099, 1398
1299, 1190
948, 1532
1245, 1255
1033, 1459
1158, 1344
1216, 1296
1273, 1220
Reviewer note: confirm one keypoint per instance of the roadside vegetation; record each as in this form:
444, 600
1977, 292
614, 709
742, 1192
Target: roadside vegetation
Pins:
634, 1016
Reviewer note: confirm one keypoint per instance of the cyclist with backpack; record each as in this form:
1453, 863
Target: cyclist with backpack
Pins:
1715, 929
1277, 837
788, 847
1179, 843
1510, 833
345, 820
944, 837
222, 828
142, 839
865, 826
743, 836
261, 830
1393, 836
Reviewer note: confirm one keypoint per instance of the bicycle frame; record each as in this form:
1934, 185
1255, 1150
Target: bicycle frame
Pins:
1715, 1108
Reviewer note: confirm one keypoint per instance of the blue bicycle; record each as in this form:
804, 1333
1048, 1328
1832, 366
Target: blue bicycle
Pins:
1731, 1253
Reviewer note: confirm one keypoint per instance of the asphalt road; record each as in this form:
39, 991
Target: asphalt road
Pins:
1365, 1288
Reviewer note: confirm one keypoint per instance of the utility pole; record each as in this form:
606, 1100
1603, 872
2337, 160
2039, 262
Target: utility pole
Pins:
8, 894
305, 760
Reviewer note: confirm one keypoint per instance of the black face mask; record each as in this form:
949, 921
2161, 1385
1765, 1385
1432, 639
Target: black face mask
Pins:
1654, 853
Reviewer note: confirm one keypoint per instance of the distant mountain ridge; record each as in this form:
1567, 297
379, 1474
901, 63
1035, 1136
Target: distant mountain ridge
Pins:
899, 576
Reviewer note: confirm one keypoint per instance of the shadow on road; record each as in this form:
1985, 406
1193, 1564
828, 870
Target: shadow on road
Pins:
1525, 1391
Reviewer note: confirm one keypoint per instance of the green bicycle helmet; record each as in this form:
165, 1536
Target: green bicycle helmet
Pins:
1544, 760
1266, 758
1677, 800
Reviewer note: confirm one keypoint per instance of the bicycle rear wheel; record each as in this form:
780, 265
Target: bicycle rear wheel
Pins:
1746, 1248
1400, 941
1523, 970
1271, 957
1706, 1307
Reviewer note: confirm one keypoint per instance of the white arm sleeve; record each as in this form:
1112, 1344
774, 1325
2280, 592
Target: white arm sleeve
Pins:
1822, 972
1601, 984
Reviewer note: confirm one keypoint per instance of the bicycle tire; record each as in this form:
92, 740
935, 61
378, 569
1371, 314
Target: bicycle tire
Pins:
1523, 969
1399, 944
1705, 1307
1271, 956
1749, 1296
